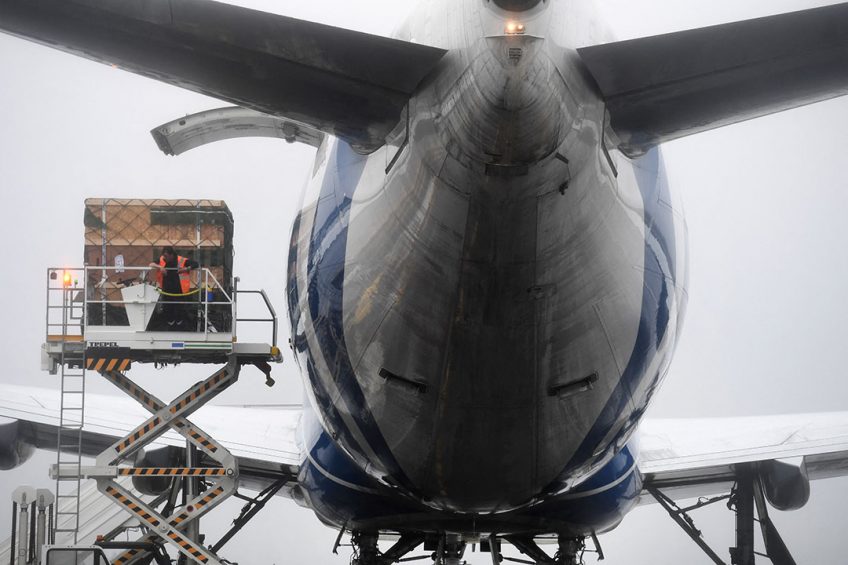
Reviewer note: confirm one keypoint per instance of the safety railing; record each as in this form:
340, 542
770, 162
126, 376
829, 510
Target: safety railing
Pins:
65, 305
127, 296
79, 299
271, 319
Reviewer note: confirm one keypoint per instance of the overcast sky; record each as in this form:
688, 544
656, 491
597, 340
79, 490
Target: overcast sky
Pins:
766, 203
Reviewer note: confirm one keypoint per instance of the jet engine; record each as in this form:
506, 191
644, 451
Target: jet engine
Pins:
168, 456
14, 451
785, 483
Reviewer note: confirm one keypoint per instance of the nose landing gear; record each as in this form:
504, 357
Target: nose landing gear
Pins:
449, 549
366, 552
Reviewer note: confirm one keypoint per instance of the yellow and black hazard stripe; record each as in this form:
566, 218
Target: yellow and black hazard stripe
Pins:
207, 498
202, 441
138, 434
173, 471
154, 405
185, 427
129, 554
108, 363
108, 358
185, 545
132, 506
204, 387
135, 391
126, 556
188, 547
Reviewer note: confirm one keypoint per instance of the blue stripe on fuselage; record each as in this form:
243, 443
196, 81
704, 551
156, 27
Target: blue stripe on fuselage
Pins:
341, 493
325, 276
659, 269
599, 503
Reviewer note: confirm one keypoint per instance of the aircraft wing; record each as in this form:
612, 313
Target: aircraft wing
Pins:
263, 440
688, 458
669, 86
345, 83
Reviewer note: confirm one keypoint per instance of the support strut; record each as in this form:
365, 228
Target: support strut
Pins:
367, 552
569, 552
743, 499
682, 519
527, 546
746, 496
248, 511
775, 547
406, 544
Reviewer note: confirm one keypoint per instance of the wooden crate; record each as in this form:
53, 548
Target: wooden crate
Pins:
137, 230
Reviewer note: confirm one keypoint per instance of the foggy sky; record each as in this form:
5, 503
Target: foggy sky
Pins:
766, 204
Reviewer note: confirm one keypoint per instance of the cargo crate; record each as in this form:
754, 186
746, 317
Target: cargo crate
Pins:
132, 232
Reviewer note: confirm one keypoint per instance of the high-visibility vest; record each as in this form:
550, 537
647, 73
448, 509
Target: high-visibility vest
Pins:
185, 279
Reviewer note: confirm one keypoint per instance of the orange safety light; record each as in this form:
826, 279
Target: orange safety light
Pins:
66, 279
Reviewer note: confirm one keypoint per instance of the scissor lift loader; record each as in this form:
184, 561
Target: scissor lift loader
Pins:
107, 331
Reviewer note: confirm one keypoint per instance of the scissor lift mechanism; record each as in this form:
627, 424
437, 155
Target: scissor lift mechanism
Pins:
222, 478
173, 416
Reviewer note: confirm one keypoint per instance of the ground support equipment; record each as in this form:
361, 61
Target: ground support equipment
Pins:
222, 479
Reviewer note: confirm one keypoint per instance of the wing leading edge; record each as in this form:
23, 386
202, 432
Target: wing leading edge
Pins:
345, 83
263, 440
669, 86
688, 458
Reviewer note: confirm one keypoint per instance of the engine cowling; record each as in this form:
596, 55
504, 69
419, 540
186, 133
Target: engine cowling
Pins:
785, 483
14, 450
168, 456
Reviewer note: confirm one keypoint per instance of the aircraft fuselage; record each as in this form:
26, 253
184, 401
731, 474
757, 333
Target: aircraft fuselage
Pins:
483, 308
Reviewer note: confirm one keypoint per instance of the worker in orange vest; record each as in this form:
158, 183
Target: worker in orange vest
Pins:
172, 276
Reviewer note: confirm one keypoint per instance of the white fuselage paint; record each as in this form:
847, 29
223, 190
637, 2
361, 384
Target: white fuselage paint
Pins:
494, 258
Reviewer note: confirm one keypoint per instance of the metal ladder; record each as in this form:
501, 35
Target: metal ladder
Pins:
71, 421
